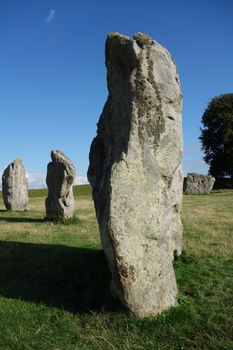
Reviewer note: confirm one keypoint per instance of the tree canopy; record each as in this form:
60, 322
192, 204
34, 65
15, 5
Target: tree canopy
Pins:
217, 136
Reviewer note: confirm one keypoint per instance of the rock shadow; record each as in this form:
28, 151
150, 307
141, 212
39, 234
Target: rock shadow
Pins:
70, 278
17, 219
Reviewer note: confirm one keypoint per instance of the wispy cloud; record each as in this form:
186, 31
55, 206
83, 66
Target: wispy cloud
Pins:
195, 166
81, 180
38, 180
192, 160
51, 16
196, 148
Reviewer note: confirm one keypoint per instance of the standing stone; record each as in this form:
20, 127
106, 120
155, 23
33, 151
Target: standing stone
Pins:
136, 175
61, 174
15, 186
198, 184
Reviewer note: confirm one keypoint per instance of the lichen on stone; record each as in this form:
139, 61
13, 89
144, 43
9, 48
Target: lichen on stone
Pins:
143, 39
150, 114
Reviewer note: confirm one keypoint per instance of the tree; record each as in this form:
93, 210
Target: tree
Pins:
217, 136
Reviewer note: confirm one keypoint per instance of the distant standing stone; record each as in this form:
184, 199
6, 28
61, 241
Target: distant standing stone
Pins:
198, 184
136, 174
15, 186
61, 175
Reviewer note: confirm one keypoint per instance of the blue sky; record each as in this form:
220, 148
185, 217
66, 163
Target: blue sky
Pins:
53, 76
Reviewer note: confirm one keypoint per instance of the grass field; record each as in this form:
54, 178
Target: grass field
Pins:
54, 283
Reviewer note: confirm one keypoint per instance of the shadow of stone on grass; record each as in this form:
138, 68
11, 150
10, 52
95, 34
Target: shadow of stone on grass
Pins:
17, 219
74, 279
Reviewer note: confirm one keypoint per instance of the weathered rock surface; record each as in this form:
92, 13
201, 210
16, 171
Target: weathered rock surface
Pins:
15, 186
198, 184
136, 175
61, 174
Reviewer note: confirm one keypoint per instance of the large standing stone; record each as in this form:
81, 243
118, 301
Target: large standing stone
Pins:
136, 175
15, 186
198, 184
61, 174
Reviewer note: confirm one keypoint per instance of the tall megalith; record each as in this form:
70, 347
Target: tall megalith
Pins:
15, 186
61, 174
136, 174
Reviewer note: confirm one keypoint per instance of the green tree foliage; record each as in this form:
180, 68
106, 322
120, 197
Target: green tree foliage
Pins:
217, 136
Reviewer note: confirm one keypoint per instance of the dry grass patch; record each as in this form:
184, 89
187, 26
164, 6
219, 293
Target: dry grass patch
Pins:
208, 223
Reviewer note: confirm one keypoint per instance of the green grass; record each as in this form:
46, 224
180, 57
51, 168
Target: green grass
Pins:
54, 282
